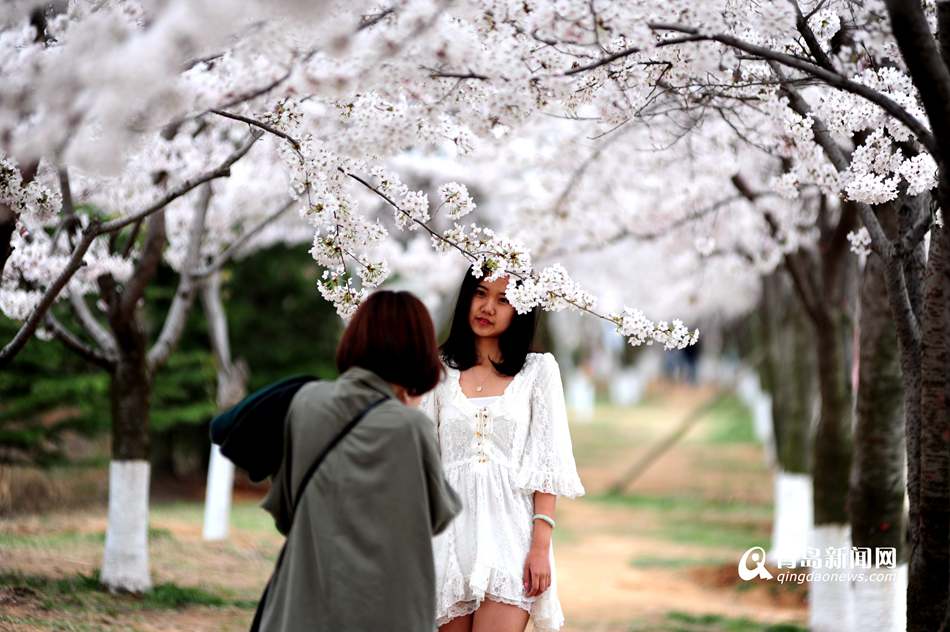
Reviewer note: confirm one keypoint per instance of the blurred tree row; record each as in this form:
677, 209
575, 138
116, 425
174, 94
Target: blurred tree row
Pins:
279, 326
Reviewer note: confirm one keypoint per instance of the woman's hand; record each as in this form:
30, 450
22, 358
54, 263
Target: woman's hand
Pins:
537, 572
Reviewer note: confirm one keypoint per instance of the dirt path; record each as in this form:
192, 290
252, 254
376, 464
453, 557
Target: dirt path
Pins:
601, 585
670, 545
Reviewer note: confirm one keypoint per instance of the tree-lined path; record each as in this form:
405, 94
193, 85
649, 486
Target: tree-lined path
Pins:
663, 555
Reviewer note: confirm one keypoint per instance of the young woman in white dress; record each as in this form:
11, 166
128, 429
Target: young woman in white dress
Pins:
506, 450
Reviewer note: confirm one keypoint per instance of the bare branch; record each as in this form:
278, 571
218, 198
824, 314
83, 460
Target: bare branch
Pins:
264, 126
147, 265
915, 234
73, 343
603, 61
253, 94
368, 21
177, 314
91, 324
221, 260
49, 297
436, 74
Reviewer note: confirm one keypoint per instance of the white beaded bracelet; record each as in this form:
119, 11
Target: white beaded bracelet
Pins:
547, 519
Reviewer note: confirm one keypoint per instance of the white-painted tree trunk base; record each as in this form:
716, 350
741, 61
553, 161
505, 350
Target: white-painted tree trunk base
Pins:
881, 605
218, 496
125, 563
831, 605
626, 388
792, 522
747, 385
580, 397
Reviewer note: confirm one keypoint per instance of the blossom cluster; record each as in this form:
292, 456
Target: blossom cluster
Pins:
638, 329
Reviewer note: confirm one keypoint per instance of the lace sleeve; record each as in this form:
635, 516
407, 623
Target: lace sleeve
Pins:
547, 464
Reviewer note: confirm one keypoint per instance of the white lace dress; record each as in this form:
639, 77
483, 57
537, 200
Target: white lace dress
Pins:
496, 453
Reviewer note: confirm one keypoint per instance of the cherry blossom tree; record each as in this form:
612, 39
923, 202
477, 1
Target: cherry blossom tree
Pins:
789, 122
124, 105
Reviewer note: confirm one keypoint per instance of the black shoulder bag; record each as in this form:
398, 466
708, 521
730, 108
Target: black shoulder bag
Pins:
259, 613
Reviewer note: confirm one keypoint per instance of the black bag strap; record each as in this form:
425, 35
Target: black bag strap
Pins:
295, 500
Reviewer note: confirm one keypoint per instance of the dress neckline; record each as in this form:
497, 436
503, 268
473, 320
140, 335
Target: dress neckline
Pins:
466, 402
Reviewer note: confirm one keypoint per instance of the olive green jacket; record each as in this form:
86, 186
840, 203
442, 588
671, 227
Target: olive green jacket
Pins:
359, 556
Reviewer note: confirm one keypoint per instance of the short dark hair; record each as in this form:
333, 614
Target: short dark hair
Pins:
391, 334
459, 351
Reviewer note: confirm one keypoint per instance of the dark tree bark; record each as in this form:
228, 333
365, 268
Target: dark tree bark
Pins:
928, 418
788, 374
931, 579
131, 382
876, 499
130, 391
832, 443
822, 284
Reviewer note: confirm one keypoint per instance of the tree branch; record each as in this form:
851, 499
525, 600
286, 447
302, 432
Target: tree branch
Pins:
797, 269
147, 265
73, 343
91, 324
262, 125
221, 171
96, 229
925, 65
222, 259
177, 314
879, 240
913, 236
814, 47
833, 79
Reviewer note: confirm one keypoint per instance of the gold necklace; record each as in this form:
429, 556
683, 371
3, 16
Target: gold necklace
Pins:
480, 387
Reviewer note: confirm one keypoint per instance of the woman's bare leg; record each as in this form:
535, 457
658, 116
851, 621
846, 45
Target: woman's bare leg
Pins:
493, 616
458, 624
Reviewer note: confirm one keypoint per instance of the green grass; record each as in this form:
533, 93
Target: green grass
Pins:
691, 504
711, 533
85, 593
245, 516
683, 622
598, 441
65, 539
659, 561
53, 540
699, 521
729, 421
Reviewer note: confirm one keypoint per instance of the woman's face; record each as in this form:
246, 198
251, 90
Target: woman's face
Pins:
490, 313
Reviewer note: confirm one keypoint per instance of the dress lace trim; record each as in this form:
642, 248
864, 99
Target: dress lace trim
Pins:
460, 595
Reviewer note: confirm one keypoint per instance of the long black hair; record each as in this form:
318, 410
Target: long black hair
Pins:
514, 343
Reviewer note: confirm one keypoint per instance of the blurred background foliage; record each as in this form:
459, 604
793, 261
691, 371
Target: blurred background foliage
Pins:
51, 401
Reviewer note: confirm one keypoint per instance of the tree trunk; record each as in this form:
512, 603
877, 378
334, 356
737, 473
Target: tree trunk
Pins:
830, 601
876, 499
788, 375
930, 573
125, 565
832, 443
232, 386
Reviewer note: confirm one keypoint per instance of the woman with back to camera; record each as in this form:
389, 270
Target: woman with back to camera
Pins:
358, 555
506, 449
